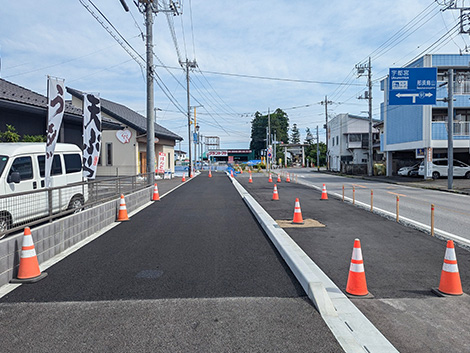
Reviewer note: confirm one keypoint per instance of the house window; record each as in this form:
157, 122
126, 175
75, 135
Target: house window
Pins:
337, 140
109, 153
355, 138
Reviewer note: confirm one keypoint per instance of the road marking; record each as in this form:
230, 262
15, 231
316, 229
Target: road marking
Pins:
359, 186
394, 193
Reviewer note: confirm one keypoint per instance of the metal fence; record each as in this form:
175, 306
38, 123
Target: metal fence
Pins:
24, 209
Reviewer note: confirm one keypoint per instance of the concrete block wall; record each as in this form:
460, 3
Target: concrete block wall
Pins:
53, 238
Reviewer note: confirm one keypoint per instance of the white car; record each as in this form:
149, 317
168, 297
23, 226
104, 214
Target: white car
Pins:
407, 171
440, 168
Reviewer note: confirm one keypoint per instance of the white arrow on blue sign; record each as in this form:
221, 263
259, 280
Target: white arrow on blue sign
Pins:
412, 86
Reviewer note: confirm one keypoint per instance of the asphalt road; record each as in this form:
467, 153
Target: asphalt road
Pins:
401, 264
451, 209
192, 273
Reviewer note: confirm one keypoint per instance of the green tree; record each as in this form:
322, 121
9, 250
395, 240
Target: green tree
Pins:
312, 153
295, 136
10, 135
34, 138
279, 127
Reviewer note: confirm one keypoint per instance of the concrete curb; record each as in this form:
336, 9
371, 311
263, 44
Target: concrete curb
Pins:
352, 329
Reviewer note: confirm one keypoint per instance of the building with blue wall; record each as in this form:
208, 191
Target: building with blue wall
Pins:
410, 129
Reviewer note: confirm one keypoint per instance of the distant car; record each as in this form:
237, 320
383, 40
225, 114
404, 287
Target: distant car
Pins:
408, 171
440, 168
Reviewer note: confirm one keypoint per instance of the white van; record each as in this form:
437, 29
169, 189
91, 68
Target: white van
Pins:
22, 168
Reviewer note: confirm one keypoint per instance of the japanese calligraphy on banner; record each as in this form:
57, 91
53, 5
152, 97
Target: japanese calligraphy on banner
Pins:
91, 134
55, 113
161, 162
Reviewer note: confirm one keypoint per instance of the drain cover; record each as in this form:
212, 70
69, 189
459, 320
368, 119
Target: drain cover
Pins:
152, 274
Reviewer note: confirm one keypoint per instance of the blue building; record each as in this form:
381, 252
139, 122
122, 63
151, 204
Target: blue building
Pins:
410, 130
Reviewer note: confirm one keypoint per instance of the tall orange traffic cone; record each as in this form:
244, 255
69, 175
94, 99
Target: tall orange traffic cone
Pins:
28, 271
275, 193
184, 179
324, 195
122, 215
231, 173
279, 178
250, 180
297, 213
270, 180
357, 277
450, 277
210, 174
156, 195
288, 178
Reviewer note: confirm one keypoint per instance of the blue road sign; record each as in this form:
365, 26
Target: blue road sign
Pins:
412, 86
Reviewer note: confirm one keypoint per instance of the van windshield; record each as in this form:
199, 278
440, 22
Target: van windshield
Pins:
3, 163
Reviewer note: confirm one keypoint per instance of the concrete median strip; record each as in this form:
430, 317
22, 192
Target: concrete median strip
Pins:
352, 329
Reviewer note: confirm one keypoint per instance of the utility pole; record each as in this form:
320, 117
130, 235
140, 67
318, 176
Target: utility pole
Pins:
189, 65
148, 8
450, 130
318, 151
325, 103
150, 102
361, 68
269, 139
371, 142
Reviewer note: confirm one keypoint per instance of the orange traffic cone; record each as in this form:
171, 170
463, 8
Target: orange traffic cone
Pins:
275, 194
279, 178
184, 179
210, 174
357, 277
122, 215
297, 213
250, 180
270, 180
324, 195
28, 271
156, 195
231, 173
450, 277
288, 178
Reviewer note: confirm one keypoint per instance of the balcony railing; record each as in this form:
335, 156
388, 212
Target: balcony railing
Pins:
461, 130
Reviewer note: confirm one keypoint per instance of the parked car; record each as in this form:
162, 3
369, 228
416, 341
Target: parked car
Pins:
409, 171
440, 168
22, 169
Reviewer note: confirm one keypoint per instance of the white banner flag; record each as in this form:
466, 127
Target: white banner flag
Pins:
91, 134
55, 113
161, 162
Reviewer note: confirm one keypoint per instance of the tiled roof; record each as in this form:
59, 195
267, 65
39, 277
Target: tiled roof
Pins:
128, 117
14, 93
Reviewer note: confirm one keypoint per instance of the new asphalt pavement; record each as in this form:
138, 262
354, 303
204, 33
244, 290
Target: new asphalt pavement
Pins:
191, 273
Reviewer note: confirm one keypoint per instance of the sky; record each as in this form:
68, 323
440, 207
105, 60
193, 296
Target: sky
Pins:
251, 55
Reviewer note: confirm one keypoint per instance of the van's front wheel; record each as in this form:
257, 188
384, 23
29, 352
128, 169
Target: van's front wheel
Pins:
76, 203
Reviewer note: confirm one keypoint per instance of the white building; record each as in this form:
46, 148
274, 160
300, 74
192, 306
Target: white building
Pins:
348, 142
